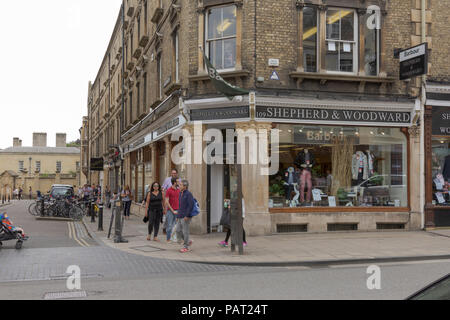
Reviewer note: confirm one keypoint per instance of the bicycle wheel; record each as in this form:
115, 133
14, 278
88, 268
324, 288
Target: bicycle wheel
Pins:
32, 209
76, 213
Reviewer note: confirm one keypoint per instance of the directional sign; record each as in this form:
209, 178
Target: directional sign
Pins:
414, 61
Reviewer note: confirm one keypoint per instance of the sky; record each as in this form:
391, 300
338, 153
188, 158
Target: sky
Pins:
49, 51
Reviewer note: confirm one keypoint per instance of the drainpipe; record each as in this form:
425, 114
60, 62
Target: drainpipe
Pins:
422, 124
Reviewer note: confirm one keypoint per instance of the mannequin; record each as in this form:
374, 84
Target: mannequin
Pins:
290, 179
360, 167
370, 162
305, 161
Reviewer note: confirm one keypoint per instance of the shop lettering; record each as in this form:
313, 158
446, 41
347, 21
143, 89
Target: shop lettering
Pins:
317, 136
445, 130
446, 116
333, 115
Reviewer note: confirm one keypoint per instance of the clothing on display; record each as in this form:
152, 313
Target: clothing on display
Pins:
446, 171
360, 167
290, 179
305, 160
370, 162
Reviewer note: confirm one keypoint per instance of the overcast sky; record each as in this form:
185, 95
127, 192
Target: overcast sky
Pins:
49, 51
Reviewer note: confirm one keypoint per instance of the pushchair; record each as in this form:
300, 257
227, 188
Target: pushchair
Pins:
9, 232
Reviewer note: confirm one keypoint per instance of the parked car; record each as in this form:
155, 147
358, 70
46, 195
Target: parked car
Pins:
382, 189
438, 290
61, 190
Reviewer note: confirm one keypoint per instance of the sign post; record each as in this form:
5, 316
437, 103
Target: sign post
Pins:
414, 61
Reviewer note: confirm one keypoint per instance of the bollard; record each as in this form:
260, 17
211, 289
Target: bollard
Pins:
92, 212
100, 217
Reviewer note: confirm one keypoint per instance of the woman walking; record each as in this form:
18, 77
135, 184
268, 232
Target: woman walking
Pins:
154, 210
126, 199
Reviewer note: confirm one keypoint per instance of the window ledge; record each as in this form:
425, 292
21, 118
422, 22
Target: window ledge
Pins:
225, 75
172, 88
324, 77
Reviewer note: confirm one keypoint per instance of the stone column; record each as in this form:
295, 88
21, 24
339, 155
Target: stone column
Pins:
255, 187
196, 174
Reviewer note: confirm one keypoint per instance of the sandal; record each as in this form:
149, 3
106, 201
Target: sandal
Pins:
149, 238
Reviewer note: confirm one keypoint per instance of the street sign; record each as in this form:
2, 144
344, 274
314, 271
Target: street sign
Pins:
414, 61
274, 76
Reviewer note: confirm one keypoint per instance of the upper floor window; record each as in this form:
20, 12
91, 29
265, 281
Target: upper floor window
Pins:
58, 166
337, 48
341, 44
221, 36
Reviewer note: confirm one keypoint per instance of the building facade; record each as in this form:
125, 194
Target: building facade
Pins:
324, 74
38, 166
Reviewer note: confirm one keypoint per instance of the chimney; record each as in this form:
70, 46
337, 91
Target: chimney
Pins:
39, 139
61, 140
17, 142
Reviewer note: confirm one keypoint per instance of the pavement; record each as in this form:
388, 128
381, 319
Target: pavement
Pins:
283, 249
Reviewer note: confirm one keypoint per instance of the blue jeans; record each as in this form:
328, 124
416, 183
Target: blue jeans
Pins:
170, 219
126, 209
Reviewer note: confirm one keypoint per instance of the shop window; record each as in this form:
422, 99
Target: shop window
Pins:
331, 166
140, 183
133, 181
341, 32
221, 36
310, 28
441, 171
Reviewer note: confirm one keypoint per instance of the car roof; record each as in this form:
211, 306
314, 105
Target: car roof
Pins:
61, 186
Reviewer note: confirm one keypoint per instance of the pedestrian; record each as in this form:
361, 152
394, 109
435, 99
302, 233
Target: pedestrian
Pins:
167, 184
183, 217
226, 222
172, 205
31, 193
154, 210
16, 194
20, 193
127, 197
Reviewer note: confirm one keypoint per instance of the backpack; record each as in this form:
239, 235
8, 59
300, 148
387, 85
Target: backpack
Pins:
195, 209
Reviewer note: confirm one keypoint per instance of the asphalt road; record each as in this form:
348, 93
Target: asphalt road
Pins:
40, 268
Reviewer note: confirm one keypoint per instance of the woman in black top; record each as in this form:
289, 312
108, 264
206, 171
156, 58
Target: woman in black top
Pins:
154, 209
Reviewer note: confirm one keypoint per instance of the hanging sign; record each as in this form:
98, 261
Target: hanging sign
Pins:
414, 62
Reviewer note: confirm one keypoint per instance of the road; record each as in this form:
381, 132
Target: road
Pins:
106, 273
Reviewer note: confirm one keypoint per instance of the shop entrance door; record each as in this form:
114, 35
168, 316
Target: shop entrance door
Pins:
221, 180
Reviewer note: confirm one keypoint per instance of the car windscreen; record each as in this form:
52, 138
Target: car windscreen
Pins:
58, 192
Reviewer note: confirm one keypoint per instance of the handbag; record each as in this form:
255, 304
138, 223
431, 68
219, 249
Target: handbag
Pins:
145, 219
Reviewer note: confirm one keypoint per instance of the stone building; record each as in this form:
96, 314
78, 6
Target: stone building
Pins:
325, 73
38, 166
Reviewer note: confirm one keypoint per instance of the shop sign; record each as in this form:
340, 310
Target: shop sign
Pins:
414, 61
308, 114
441, 121
168, 126
220, 113
324, 136
97, 164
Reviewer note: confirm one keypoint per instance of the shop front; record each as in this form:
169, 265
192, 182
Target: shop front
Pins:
437, 145
341, 165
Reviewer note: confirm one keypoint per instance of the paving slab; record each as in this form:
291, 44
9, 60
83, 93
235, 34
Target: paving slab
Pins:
284, 249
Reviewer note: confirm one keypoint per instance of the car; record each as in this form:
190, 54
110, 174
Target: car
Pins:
438, 290
61, 190
381, 190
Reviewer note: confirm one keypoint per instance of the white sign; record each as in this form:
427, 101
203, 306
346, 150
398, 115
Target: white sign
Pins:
413, 53
274, 76
274, 62
440, 197
316, 195
332, 201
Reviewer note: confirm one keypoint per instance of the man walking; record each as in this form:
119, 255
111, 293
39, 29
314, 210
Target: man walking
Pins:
172, 205
184, 212
166, 186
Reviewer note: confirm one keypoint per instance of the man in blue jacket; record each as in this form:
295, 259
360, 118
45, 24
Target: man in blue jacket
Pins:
184, 215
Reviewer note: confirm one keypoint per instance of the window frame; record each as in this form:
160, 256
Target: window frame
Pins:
317, 40
355, 43
207, 41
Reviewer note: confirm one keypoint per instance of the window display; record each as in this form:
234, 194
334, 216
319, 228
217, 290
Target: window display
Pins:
340, 167
441, 171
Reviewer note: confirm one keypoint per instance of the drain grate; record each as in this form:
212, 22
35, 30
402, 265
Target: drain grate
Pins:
65, 295
147, 249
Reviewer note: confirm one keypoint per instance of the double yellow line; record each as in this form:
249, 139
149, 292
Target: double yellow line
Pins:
73, 235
